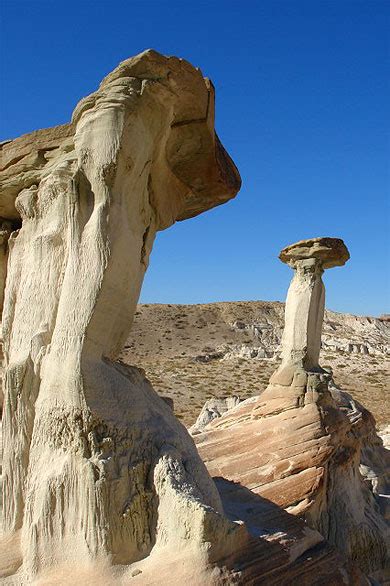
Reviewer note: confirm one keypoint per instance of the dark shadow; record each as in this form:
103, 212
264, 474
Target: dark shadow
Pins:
281, 550
261, 516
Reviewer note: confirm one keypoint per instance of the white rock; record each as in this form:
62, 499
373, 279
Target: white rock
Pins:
95, 464
212, 409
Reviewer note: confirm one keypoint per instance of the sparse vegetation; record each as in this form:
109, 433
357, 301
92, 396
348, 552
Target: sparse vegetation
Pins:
165, 344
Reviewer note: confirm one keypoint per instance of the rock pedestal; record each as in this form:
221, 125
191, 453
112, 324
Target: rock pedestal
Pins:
305, 303
298, 444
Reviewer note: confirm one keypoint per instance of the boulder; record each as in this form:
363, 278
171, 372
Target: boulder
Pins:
212, 409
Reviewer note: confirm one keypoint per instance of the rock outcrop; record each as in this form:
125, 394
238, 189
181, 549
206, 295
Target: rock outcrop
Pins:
301, 443
212, 409
384, 434
95, 463
101, 481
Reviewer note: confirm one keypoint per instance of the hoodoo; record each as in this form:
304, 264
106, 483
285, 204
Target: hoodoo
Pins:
300, 443
305, 304
101, 482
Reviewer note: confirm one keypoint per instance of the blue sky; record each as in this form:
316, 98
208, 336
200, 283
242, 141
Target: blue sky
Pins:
302, 106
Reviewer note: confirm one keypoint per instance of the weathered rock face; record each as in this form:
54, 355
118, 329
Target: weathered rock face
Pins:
305, 304
188, 158
95, 463
101, 482
374, 453
213, 409
384, 434
301, 443
5, 231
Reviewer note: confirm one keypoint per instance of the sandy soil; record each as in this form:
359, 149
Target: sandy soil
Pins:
193, 352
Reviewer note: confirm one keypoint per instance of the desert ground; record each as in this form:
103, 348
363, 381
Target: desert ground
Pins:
191, 353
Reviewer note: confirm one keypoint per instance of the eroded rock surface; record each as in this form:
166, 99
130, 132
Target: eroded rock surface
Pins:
95, 463
300, 444
212, 409
101, 482
5, 231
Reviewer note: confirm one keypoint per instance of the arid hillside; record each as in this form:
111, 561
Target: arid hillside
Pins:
194, 352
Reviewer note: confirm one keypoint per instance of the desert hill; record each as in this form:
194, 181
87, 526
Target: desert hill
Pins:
194, 352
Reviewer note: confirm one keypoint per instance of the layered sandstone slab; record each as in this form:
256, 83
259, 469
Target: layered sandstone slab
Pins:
301, 446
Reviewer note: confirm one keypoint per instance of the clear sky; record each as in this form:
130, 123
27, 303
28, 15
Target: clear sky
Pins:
302, 104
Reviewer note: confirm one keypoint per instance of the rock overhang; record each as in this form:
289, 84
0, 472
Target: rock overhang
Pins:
202, 172
330, 252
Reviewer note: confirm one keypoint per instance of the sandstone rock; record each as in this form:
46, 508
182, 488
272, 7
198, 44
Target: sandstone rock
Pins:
385, 317
277, 549
101, 483
305, 304
95, 463
384, 434
198, 172
169, 402
248, 352
330, 252
301, 443
5, 231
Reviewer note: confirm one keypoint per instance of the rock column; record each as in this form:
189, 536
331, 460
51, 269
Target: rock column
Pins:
299, 443
305, 304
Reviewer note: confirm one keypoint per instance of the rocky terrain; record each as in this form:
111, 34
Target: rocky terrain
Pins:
101, 482
193, 352
303, 443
